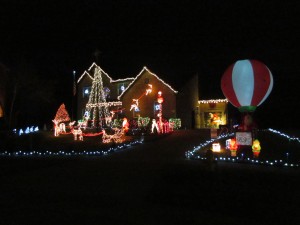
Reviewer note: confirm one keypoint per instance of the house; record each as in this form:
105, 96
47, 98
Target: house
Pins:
137, 96
195, 113
130, 97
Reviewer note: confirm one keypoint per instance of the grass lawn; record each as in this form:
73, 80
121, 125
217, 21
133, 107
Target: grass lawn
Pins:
273, 147
151, 183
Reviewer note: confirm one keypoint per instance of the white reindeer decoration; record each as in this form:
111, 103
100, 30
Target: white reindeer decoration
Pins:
56, 128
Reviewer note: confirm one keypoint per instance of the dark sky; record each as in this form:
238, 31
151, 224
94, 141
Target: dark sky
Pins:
174, 39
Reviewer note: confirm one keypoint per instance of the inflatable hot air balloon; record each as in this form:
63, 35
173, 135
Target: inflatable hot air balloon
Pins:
246, 84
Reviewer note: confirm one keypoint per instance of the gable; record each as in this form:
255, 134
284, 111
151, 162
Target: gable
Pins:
91, 71
146, 73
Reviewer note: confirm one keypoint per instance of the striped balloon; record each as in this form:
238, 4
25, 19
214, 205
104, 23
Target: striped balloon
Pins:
246, 84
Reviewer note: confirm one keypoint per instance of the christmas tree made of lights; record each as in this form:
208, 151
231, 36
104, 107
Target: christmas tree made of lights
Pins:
97, 108
62, 114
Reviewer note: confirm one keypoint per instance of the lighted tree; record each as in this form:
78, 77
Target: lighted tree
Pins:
97, 108
62, 114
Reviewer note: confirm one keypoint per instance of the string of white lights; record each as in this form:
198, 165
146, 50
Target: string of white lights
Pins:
284, 135
213, 101
192, 153
103, 72
71, 153
142, 71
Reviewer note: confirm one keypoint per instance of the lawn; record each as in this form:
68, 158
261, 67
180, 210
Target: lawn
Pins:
151, 183
273, 145
283, 148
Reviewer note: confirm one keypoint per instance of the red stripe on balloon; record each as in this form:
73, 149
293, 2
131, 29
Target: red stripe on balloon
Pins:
261, 81
227, 87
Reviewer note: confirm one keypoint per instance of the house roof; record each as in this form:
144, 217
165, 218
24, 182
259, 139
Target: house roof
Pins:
153, 74
86, 72
132, 79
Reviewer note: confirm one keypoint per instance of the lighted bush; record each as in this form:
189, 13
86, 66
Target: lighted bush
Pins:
176, 122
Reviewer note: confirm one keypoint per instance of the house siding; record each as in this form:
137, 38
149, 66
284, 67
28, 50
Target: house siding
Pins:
146, 103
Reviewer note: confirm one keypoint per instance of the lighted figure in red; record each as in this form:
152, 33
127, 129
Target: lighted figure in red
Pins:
125, 125
233, 147
247, 124
214, 119
166, 128
160, 100
256, 148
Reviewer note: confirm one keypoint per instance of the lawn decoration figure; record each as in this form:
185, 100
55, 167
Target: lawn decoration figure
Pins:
62, 127
77, 134
233, 147
246, 84
135, 102
247, 124
256, 148
117, 137
135, 105
154, 126
125, 124
61, 117
56, 128
149, 89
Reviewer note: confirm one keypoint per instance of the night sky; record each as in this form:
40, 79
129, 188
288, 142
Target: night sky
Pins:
175, 40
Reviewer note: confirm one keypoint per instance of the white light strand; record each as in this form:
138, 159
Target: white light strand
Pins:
284, 135
191, 154
103, 104
142, 71
213, 101
71, 153
97, 102
103, 72
85, 73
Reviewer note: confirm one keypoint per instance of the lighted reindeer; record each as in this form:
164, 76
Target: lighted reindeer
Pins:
117, 137
83, 124
77, 134
56, 128
71, 124
135, 104
62, 127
